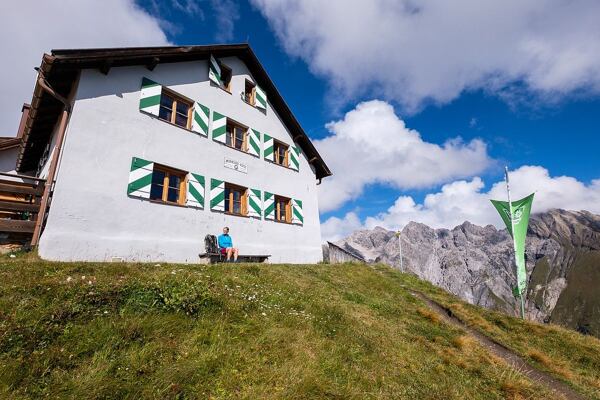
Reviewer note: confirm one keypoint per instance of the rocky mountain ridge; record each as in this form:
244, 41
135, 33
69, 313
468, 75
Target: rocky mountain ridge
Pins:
476, 264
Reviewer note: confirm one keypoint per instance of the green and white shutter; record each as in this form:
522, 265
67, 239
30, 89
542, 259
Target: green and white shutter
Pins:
195, 191
294, 158
219, 129
140, 178
261, 98
269, 205
217, 195
254, 203
150, 96
297, 216
268, 147
254, 142
214, 71
200, 119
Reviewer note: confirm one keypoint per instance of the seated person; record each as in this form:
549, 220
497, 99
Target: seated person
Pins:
226, 245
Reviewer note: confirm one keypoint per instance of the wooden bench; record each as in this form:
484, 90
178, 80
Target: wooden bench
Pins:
212, 258
211, 255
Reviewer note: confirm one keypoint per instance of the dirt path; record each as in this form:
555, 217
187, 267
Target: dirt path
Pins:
514, 360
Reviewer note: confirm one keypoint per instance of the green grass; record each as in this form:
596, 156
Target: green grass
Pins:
91, 330
566, 354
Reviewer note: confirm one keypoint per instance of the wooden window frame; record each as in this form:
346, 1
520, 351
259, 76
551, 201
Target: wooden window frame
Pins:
285, 162
288, 209
177, 98
250, 98
243, 199
226, 86
168, 171
235, 124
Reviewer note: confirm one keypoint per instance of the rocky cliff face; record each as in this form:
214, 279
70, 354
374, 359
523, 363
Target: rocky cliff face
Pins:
476, 264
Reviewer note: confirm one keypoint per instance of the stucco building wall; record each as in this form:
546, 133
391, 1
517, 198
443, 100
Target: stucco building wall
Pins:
92, 218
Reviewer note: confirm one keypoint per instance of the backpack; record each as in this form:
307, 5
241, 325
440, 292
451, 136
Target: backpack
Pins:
210, 244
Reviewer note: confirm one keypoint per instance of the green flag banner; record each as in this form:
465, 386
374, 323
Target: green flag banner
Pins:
520, 220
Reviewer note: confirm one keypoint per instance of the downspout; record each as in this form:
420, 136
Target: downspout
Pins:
62, 128
42, 82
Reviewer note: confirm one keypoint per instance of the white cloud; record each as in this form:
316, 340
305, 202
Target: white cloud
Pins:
462, 200
189, 7
337, 228
551, 192
30, 28
457, 202
372, 145
432, 50
226, 13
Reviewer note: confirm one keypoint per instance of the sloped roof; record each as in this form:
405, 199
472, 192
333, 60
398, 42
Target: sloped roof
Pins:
61, 68
10, 142
347, 251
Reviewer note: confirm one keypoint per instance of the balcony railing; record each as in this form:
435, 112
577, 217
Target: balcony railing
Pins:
20, 199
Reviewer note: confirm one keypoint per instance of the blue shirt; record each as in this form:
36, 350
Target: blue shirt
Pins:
225, 241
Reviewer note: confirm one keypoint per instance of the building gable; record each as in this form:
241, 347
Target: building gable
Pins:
61, 69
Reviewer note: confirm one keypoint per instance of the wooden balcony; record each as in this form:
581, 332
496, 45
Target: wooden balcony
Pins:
20, 199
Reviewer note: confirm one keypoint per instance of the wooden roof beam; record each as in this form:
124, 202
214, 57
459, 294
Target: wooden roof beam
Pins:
152, 63
106, 66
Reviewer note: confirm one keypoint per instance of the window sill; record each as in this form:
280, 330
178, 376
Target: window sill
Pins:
247, 102
167, 203
236, 149
228, 91
262, 110
281, 165
235, 214
172, 124
280, 222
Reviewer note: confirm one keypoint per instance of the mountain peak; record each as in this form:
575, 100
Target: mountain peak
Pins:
476, 263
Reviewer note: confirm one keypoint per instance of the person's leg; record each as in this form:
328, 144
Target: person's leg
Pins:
229, 251
235, 254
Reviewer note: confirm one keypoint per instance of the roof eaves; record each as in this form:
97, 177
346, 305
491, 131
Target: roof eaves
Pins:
76, 59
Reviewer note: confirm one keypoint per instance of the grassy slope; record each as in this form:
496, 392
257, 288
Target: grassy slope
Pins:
253, 331
565, 354
579, 304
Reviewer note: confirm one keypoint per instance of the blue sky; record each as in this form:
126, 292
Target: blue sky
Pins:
561, 135
448, 93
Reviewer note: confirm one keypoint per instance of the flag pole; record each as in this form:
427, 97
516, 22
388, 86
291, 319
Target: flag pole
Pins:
512, 229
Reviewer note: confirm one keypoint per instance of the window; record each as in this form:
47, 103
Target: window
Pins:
226, 75
236, 135
168, 185
283, 209
250, 93
175, 109
235, 199
280, 151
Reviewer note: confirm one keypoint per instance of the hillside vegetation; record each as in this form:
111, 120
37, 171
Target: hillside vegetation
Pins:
91, 330
474, 262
